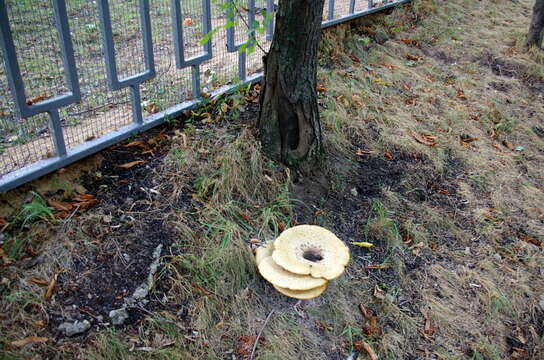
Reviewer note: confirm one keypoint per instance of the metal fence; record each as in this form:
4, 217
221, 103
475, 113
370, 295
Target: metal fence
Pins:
77, 76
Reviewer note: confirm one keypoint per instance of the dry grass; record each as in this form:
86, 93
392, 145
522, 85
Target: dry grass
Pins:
454, 221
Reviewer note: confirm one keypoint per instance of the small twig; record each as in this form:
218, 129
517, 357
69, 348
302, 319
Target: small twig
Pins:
259, 335
65, 222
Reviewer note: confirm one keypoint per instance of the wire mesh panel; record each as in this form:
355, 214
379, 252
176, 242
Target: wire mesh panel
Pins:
138, 61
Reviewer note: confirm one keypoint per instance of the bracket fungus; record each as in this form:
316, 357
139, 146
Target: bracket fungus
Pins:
311, 250
301, 261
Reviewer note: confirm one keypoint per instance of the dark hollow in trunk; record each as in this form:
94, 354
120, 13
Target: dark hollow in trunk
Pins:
288, 123
535, 34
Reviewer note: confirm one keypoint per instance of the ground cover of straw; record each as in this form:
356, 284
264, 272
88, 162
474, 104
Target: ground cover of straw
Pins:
434, 143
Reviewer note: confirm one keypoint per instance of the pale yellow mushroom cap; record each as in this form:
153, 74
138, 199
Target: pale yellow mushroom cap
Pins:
302, 294
264, 251
276, 275
311, 250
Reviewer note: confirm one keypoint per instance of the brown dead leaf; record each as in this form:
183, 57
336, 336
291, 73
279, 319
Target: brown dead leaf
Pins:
423, 138
86, 205
411, 42
532, 240
518, 353
412, 57
51, 288
39, 282
244, 345
354, 58
38, 323
60, 205
188, 22
31, 251
29, 340
387, 155
508, 144
461, 94
247, 219
323, 327
136, 143
321, 89
367, 30
83, 197
5, 258
361, 346
131, 164
37, 99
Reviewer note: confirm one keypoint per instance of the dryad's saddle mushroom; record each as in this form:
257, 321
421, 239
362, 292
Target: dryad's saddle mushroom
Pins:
311, 250
301, 261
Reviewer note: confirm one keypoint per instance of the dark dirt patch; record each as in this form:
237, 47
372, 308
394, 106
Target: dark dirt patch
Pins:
499, 66
122, 232
437, 53
500, 86
506, 68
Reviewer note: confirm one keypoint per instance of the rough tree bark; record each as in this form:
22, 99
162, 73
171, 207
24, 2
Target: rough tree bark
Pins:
536, 29
288, 122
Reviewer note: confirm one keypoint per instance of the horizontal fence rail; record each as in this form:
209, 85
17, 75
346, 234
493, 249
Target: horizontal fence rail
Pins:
77, 76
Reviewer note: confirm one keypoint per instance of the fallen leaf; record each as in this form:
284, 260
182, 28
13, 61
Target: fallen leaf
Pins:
51, 288
321, 89
31, 251
363, 345
131, 164
363, 244
247, 219
60, 205
136, 143
29, 340
151, 108
411, 42
387, 155
206, 292
39, 282
188, 22
519, 353
461, 94
412, 57
5, 258
244, 345
83, 197
38, 323
86, 205
423, 139
354, 58
508, 144
36, 99
533, 241
322, 326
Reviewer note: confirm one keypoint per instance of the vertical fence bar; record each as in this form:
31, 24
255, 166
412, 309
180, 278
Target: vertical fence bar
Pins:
179, 46
56, 132
331, 10
351, 6
242, 73
270, 26
195, 81
370, 4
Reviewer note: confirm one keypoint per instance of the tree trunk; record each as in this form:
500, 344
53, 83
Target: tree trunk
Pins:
288, 123
536, 29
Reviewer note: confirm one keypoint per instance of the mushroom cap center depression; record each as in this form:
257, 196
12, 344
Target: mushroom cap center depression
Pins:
312, 254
